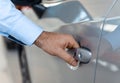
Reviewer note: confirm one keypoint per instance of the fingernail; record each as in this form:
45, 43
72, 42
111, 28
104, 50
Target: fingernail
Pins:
74, 63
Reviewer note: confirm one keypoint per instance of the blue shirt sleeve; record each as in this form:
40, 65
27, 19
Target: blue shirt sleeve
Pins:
15, 25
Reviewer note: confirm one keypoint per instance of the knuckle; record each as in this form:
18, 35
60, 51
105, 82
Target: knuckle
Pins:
70, 60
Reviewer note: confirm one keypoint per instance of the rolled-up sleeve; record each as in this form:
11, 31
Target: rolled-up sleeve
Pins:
15, 25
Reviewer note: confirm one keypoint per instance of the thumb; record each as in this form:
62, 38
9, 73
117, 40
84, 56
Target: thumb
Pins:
67, 57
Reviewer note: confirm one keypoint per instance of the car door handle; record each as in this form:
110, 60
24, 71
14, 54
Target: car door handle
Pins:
82, 55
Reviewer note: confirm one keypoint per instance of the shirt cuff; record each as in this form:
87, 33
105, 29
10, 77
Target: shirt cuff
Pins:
25, 31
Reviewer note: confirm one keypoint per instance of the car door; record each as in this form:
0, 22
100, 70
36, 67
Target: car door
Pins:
108, 67
47, 69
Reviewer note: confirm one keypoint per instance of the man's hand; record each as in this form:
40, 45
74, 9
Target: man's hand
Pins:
55, 44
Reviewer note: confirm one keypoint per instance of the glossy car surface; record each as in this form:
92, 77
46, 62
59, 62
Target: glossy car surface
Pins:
96, 24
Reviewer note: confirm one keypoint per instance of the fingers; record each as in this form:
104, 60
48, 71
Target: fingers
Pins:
72, 43
67, 57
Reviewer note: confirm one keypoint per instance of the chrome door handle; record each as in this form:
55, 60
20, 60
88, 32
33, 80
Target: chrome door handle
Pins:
82, 56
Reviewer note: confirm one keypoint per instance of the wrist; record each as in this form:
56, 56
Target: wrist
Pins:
42, 37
